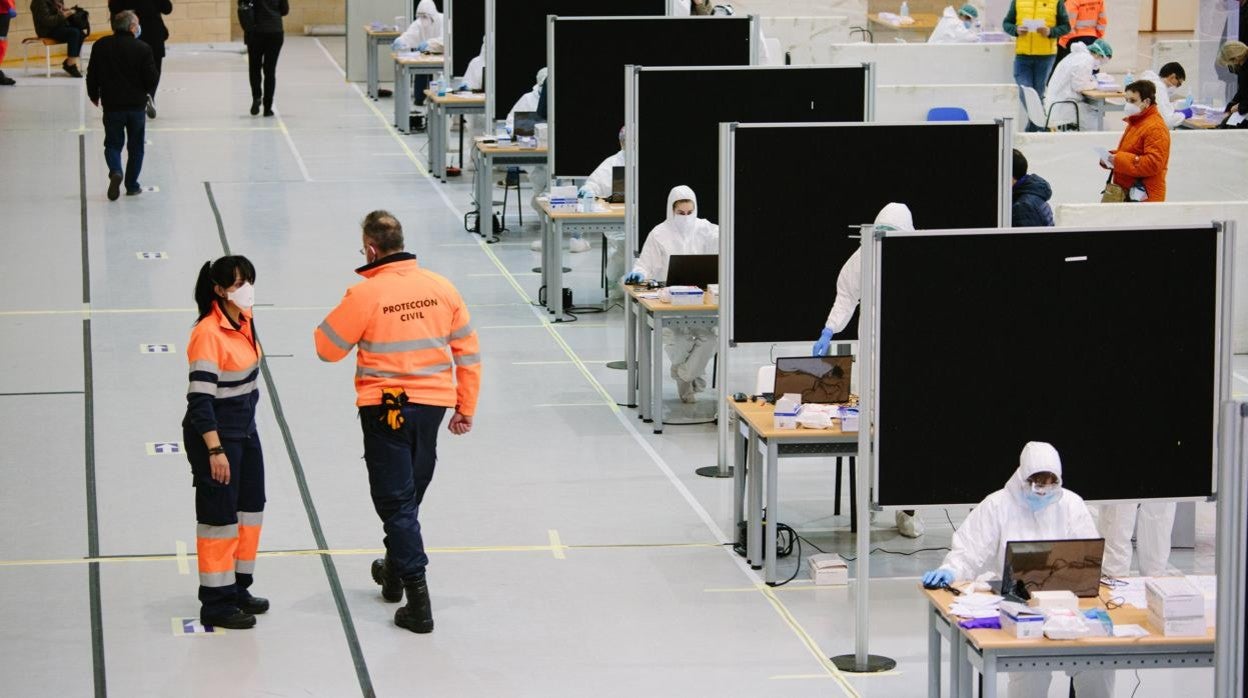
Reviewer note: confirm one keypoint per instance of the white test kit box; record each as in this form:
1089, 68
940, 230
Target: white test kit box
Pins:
684, 295
1020, 621
828, 569
1054, 599
1193, 626
1174, 597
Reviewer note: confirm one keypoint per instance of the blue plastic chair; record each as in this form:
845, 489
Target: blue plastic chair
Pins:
947, 114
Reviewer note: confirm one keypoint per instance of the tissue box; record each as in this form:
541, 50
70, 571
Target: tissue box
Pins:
787, 409
1054, 599
828, 569
849, 418
1174, 597
685, 295
563, 198
1020, 622
1193, 626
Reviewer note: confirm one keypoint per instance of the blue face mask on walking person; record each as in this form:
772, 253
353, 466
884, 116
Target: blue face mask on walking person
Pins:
138, 31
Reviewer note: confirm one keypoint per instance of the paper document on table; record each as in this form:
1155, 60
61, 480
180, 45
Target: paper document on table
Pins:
1129, 630
1131, 591
976, 606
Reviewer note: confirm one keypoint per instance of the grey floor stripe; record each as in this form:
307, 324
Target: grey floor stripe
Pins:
45, 392
93, 530
82, 214
314, 520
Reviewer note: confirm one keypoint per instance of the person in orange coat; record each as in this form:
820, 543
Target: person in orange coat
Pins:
416, 356
1143, 153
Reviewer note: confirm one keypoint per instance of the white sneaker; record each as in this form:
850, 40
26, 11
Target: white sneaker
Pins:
578, 245
909, 526
536, 245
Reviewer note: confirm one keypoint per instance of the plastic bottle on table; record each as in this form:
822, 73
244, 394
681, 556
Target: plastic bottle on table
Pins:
905, 9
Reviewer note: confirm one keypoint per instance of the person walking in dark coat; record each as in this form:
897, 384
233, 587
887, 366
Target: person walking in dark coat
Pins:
264, 42
52, 22
155, 34
1031, 197
122, 76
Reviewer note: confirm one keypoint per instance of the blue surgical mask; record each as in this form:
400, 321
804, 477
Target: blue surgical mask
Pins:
138, 31
1038, 498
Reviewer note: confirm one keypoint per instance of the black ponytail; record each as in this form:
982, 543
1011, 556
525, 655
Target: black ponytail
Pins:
223, 273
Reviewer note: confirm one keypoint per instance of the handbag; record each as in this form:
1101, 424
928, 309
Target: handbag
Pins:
1112, 193
246, 15
80, 20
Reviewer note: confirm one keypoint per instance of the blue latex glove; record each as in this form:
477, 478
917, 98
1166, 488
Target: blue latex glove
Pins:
937, 578
12, 12
824, 344
398, 45
584, 192
1187, 113
1187, 103
463, 88
634, 277
422, 46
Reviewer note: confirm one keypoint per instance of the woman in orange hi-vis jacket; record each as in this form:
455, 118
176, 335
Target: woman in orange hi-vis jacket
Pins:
222, 444
1143, 153
416, 357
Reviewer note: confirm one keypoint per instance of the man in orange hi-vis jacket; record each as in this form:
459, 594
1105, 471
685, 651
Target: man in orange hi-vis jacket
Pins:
402, 320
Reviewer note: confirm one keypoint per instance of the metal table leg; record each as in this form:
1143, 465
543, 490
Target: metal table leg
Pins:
656, 373
959, 670
402, 98
554, 285
372, 44
990, 675
754, 530
630, 350
738, 475
934, 621
644, 357
769, 536
434, 127
485, 193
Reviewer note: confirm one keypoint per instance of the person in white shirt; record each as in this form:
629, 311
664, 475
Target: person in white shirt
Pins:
688, 349
956, 27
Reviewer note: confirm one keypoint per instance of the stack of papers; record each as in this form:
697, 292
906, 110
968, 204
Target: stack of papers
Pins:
976, 606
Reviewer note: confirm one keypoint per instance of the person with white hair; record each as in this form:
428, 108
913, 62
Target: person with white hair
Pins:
1033, 505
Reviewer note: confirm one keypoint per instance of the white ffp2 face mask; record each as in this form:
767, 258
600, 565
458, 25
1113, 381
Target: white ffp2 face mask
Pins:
1131, 108
684, 224
244, 296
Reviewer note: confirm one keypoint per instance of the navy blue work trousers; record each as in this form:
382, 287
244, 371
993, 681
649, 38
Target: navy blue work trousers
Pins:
400, 466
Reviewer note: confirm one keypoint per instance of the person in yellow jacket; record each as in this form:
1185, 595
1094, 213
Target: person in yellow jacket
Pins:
416, 356
1088, 22
1038, 24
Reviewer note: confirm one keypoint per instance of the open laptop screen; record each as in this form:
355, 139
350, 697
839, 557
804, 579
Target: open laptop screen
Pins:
819, 379
1055, 565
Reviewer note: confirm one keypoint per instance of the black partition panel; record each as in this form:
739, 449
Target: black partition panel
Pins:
686, 151
798, 189
1099, 342
520, 39
589, 60
467, 27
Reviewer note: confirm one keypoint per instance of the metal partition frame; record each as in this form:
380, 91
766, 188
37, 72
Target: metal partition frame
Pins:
1232, 551
727, 232
630, 103
632, 73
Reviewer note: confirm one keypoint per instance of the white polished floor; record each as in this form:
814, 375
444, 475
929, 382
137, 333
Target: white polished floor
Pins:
572, 551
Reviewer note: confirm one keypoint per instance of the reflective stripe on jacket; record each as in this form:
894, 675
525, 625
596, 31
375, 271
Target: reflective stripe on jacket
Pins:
411, 330
1144, 154
1087, 18
224, 375
1053, 12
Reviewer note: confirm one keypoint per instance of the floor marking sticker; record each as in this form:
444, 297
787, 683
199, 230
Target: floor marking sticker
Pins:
156, 349
184, 564
556, 546
152, 255
187, 627
164, 448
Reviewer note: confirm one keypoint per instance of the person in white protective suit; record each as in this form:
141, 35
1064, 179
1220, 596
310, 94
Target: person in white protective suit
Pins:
1074, 74
601, 180
1170, 79
474, 74
539, 176
425, 32
893, 216
1152, 537
1032, 506
528, 101
956, 27
688, 349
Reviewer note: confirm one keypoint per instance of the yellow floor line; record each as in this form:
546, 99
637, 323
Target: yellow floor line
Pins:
184, 565
556, 546
809, 641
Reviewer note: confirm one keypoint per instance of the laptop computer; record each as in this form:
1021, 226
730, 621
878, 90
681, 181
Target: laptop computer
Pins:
617, 185
692, 270
1052, 565
525, 124
819, 379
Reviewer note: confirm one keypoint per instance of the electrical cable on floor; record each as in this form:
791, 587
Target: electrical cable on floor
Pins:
787, 549
950, 519
1137, 683
903, 553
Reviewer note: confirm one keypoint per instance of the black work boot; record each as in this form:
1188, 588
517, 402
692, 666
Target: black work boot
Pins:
391, 585
417, 615
234, 619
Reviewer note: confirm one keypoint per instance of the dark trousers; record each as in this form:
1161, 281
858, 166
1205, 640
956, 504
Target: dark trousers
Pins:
262, 52
159, 58
400, 466
72, 38
125, 128
229, 517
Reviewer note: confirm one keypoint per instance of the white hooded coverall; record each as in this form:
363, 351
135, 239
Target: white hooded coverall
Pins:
539, 176
979, 547
688, 349
849, 281
600, 181
1152, 539
951, 30
1070, 78
1165, 106
426, 27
